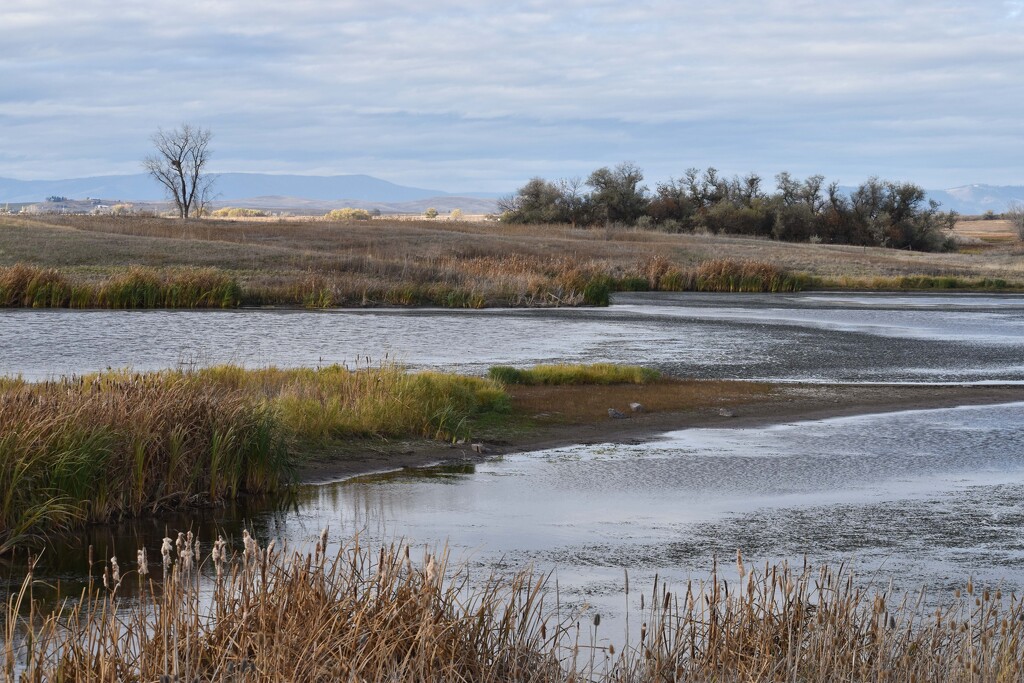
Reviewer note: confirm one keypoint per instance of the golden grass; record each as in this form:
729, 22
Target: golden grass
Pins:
383, 262
117, 444
362, 615
594, 374
997, 230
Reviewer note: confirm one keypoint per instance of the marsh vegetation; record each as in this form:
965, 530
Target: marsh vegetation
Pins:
276, 614
73, 259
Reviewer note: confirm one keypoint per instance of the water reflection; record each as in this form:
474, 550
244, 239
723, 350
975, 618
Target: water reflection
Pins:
918, 498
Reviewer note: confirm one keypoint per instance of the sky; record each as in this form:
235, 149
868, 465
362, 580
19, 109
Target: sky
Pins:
478, 95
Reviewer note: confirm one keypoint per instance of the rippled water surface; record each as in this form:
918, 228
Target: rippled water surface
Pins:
816, 337
919, 498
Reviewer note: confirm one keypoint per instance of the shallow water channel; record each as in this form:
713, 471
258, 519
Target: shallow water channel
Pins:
809, 337
918, 498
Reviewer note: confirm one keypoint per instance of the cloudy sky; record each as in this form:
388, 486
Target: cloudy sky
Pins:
481, 95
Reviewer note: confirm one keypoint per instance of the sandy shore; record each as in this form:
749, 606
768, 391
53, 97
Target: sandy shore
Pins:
785, 403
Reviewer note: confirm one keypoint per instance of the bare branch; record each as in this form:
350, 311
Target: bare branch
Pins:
179, 164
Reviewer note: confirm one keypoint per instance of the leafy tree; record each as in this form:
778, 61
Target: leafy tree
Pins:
179, 164
618, 195
430, 213
538, 201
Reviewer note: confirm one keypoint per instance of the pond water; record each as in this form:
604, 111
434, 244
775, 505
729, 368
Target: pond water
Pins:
806, 337
920, 498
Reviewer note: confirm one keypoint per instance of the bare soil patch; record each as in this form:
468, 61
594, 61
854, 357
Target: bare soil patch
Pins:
563, 416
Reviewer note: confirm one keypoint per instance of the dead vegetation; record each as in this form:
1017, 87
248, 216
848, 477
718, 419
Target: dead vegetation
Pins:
269, 614
384, 262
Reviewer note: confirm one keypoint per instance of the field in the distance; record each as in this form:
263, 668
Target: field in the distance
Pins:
475, 258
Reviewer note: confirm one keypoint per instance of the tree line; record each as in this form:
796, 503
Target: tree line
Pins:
878, 212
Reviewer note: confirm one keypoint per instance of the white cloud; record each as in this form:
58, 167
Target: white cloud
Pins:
398, 85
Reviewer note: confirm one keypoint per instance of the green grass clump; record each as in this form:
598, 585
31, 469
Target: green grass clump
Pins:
597, 373
23, 286
335, 402
726, 275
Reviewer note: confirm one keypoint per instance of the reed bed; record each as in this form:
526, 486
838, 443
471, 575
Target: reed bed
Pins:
267, 614
513, 280
23, 286
360, 281
119, 444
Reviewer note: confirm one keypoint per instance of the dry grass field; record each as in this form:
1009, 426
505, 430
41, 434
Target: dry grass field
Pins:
416, 262
990, 231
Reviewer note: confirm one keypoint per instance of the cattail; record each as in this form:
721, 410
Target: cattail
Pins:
739, 564
165, 551
219, 555
323, 539
252, 548
116, 571
143, 564
430, 570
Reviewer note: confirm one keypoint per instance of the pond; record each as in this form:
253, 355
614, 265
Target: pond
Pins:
920, 498
805, 337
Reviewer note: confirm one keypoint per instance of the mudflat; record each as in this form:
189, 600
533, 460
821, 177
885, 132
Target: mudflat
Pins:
776, 404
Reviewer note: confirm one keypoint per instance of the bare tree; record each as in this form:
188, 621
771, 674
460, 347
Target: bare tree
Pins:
179, 164
1015, 214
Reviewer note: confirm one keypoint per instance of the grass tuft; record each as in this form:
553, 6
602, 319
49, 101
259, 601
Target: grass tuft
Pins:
555, 375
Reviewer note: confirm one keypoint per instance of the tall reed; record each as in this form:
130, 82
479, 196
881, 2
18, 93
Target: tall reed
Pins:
374, 614
23, 286
120, 444
277, 615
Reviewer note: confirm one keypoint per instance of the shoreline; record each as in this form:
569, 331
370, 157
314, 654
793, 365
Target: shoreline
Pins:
785, 403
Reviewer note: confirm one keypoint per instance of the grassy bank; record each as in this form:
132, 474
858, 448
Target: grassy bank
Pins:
452, 264
473, 284
117, 445
374, 614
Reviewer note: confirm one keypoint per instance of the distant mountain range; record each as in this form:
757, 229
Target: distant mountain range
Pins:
977, 199
250, 189
321, 193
